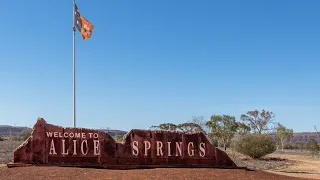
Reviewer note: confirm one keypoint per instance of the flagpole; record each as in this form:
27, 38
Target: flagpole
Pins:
74, 66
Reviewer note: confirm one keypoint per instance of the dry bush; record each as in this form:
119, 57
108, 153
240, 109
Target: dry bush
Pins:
6, 149
118, 138
255, 145
313, 147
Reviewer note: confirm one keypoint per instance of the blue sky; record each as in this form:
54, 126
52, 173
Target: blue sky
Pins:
150, 62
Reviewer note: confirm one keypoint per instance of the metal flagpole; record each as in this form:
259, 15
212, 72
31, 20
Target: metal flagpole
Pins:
74, 64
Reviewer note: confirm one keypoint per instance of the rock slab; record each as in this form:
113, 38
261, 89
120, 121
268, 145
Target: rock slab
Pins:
54, 145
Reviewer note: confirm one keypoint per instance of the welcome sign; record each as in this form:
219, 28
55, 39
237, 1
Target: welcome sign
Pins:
55, 145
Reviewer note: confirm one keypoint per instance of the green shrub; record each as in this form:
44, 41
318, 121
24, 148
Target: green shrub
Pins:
255, 145
1, 138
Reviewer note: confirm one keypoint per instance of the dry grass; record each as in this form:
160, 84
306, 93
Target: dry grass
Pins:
6, 148
265, 163
303, 166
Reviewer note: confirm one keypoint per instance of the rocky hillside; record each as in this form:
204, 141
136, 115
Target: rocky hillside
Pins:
303, 137
15, 130
11, 130
114, 132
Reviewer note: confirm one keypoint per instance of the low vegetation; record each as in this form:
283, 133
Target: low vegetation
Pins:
255, 145
23, 135
313, 147
118, 138
7, 146
184, 127
256, 134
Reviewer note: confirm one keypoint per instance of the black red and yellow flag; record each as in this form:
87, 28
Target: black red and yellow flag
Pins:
82, 24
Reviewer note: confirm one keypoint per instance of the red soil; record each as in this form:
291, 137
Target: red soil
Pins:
67, 173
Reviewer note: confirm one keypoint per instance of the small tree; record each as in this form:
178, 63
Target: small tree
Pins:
243, 128
223, 128
312, 146
283, 134
201, 122
259, 122
189, 127
165, 126
255, 145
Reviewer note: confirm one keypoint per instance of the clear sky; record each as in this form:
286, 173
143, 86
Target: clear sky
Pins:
151, 62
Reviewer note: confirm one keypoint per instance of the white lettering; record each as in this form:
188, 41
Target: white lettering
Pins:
83, 135
90, 135
71, 135
95, 135
85, 141
76, 135
96, 147
64, 147
74, 147
159, 148
65, 135
190, 152
147, 146
84, 146
49, 134
178, 148
202, 151
169, 149
52, 148
135, 148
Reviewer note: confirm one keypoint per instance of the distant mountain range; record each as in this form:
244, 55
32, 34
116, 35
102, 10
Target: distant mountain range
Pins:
11, 130
303, 137
6, 130
300, 137
113, 132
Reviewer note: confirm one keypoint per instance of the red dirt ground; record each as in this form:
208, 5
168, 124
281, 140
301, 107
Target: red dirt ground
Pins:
67, 173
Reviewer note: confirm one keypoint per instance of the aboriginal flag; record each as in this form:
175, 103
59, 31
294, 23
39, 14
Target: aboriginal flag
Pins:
83, 25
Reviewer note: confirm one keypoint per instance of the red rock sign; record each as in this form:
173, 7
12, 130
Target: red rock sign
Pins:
54, 145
